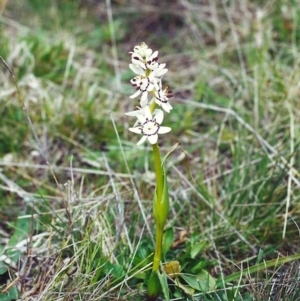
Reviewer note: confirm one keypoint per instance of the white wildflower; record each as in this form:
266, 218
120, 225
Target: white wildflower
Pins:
150, 126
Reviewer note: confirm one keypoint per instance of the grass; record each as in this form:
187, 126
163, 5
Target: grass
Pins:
76, 192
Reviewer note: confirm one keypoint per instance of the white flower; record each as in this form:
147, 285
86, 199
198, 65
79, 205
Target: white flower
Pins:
142, 50
144, 58
143, 85
160, 70
162, 97
146, 61
150, 126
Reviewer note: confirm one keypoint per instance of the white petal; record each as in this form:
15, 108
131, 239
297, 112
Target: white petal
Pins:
136, 94
167, 107
159, 116
136, 130
152, 66
144, 97
148, 114
160, 73
148, 52
164, 129
153, 139
142, 140
137, 69
154, 55
138, 112
157, 84
132, 113
136, 49
151, 76
135, 57
138, 63
150, 87
141, 118
143, 102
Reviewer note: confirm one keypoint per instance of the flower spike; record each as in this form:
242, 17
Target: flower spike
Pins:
149, 73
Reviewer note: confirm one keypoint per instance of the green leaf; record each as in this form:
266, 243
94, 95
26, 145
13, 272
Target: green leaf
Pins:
161, 205
164, 285
198, 266
187, 289
115, 270
3, 268
12, 294
22, 230
168, 240
198, 248
154, 286
203, 282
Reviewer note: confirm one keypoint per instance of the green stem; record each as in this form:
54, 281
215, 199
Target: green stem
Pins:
160, 212
159, 190
158, 248
158, 170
